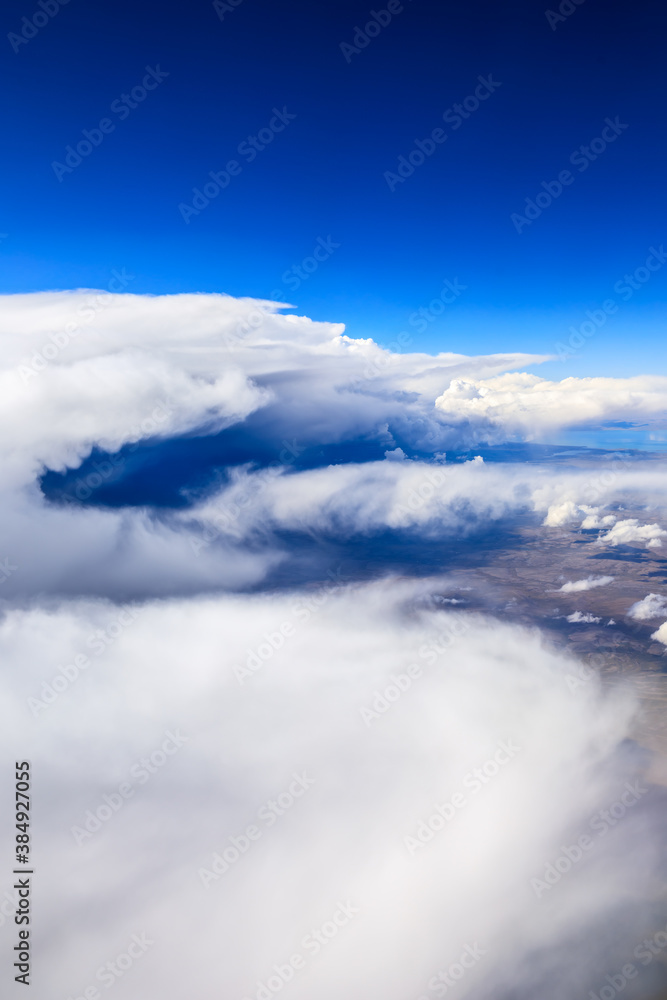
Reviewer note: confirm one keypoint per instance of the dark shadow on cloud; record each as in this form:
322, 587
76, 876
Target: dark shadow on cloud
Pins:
176, 473
315, 559
179, 472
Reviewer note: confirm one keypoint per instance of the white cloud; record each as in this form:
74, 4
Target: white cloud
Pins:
216, 358
146, 367
481, 684
164, 366
573, 587
81, 370
661, 634
531, 407
593, 520
567, 511
587, 618
212, 358
395, 455
651, 606
562, 513
629, 530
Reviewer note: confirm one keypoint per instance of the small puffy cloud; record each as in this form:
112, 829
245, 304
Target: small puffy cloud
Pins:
566, 511
595, 521
652, 606
630, 530
584, 618
574, 586
562, 513
661, 634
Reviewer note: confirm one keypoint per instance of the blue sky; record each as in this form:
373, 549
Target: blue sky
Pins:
329, 173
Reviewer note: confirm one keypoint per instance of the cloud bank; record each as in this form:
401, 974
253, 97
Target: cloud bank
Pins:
530, 407
93, 373
279, 763
445, 765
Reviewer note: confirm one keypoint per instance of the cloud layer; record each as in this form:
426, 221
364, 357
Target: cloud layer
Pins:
83, 371
355, 761
529, 407
390, 709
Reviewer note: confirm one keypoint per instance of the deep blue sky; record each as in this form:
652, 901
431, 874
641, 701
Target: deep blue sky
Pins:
323, 175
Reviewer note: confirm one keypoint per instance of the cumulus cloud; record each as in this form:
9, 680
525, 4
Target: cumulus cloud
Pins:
652, 606
428, 741
661, 634
215, 358
575, 586
567, 511
212, 358
530, 407
579, 616
395, 455
630, 530
593, 520
82, 371
562, 513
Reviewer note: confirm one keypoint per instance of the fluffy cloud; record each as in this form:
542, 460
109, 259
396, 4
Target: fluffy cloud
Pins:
530, 407
661, 634
395, 711
559, 514
82, 371
593, 520
579, 616
209, 359
652, 606
567, 511
630, 530
574, 587
386, 706
213, 359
